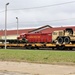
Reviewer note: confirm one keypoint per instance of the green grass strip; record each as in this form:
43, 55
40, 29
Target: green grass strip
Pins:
38, 56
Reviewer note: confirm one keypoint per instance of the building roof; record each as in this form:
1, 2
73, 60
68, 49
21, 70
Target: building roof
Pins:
14, 32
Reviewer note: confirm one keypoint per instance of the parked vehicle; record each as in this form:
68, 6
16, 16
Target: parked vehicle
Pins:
66, 36
36, 37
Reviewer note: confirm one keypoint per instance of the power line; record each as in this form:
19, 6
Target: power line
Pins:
51, 20
41, 6
58, 20
43, 21
46, 6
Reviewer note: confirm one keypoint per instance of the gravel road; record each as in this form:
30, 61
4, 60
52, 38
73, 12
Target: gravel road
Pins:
22, 68
12, 73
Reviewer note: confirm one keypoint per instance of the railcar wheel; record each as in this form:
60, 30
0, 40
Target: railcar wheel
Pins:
67, 40
60, 40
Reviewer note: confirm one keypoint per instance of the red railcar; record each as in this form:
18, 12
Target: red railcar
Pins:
37, 37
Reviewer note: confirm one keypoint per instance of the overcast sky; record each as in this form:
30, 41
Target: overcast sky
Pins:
59, 15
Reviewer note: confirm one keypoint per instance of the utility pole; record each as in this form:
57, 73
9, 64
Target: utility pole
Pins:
6, 23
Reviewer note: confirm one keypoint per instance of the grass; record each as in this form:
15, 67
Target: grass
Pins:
38, 56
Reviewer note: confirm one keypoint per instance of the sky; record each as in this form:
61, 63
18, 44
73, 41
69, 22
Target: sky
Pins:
37, 13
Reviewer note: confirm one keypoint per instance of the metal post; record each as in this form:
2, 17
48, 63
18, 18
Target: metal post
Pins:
6, 23
17, 29
17, 26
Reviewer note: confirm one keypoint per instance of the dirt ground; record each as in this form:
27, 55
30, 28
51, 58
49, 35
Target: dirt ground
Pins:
22, 68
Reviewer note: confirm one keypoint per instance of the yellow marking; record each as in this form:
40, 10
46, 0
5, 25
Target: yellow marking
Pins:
34, 37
